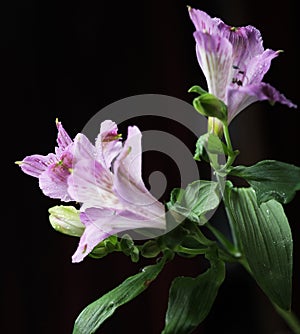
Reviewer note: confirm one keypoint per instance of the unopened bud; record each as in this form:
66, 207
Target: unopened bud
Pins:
65, 219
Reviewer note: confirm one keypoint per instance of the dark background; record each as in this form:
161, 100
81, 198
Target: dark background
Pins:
68, 60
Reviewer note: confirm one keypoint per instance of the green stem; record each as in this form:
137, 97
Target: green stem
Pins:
227, 137
290, 319
190, 251
230, 248
200, 237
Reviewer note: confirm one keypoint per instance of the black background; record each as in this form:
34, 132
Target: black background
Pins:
70, 59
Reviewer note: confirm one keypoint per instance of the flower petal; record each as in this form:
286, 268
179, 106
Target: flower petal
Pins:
93, 233
246, 43
82, 148
108, 144
259, 66
63, 139
214, 55
203, 22
240, 98
100, 223
128, 183
34, 165
91, 184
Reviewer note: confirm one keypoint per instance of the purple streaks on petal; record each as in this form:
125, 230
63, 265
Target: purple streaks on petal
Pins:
63, 139
214, 55
92, 235
249, 62
128, 183
108, 144
35, 165
90, 183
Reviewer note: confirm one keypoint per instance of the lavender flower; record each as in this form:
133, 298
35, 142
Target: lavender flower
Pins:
234, 63
53, 169
105, 179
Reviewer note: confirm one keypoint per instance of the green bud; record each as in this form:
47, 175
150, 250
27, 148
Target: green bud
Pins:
98, 252
134, 254
210, 106
126, 244
65, 219
150, 249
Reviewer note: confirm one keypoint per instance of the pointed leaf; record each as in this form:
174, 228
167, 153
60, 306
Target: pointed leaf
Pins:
271, 179
266, 239
191, 299
196, 200
97, 312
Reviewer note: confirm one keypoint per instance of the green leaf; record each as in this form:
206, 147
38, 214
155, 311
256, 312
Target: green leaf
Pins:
191, 299
271, 179
200, 152
266, 241
90, 319
196, 200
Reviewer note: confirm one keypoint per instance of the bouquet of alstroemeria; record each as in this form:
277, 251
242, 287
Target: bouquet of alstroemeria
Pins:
113, 210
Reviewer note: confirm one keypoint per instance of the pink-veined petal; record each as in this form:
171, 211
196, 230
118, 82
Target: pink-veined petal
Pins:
214, 55
53, 181
259, 66
128, 183
82, 148
240, 98
108, 144
54, 186
246, 43
203, 22
34, 165
93, 233
63, 139
100, 223
91, 184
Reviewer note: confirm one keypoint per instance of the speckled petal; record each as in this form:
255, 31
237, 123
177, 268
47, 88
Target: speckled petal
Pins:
128, 183
34, 165
246, 43
259, 66
53, 181
214, 55
108, 144
82, 148
203, 22
63, 139
93, 233
241, 98
91, 184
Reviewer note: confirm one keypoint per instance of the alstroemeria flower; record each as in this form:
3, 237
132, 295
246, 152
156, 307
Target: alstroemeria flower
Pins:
53, 169
234, 63
106, 179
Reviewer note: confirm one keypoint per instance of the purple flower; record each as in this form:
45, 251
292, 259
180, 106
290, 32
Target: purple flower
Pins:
53, 169
234, 63
106, 179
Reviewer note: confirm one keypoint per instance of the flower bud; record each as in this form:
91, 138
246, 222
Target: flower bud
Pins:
208, 105
65, 219
150, 249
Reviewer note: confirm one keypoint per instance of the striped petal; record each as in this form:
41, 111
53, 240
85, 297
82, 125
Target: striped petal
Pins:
214, 55
34, 165
128, 183
108, 144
